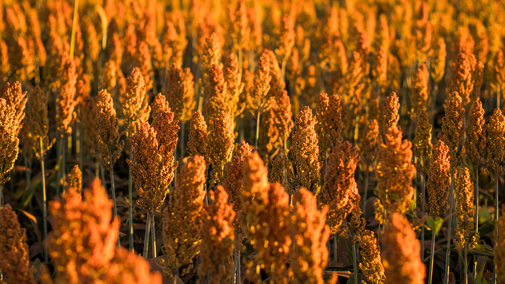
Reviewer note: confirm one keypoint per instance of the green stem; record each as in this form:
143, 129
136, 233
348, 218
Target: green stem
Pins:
449, 229
354, 262
365, 193
146, 237
153, 236
476, 218
130, 202
432, 257
113, 189
44, 198
257, 130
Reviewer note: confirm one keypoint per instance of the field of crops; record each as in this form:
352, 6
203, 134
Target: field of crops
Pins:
252, 141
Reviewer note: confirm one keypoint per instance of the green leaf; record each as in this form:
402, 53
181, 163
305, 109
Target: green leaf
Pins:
486, 229
435, 225
484, 215
28, 194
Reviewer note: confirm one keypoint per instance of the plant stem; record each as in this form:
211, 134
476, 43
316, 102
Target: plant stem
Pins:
58, 173
44, 198
432, 257
335, 241
146, 237
423, 189
63, 163
153, 234
449, 229
257, 130
496, 219
365, 193
130, 202
113, 189
466, 263
354, 262
476, 218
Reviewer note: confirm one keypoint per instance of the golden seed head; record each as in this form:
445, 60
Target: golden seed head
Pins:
221, 140
218, 238
305, 151
475, 143
465, 208
134, 105
182, 219
340, 190
496, 141
453, 125
74, 180
14, 256
439, 180
390, 115
422, 142
401, 252
198, 138
371, 263
395, 172
310, 234
38, 121
107, 129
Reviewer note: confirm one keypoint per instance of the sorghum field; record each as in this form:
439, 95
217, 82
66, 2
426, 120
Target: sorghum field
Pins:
252, 141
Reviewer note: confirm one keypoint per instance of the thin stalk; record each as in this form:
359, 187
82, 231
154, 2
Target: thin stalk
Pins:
146, 237
354, 262
495, 268
113, 189
44, 198
236, 259
476, 218
466, 264
432, 257
257, 130
239, 273
335, 242
130, 203
97, 169
496, 208
153, 236
102, 174
365, 193
423, 189
449, 229
1, 193
183, 148
60, 165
